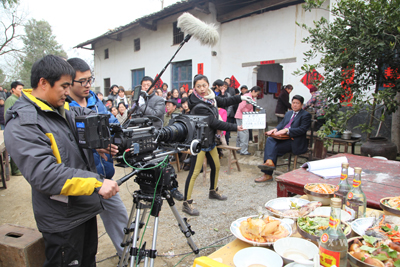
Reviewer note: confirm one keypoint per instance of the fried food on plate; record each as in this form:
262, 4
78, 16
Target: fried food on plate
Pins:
263, 230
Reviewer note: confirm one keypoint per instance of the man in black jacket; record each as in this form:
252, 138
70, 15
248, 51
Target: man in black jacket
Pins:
295, 124
41, 136
283, 103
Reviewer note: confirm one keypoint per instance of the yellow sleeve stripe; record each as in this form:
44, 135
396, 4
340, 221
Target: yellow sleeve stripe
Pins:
54, 147
78, 186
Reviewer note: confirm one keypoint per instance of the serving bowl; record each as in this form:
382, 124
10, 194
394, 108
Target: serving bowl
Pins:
294, 248
325, 199
256, 255
354, 262
387, 208
315, 238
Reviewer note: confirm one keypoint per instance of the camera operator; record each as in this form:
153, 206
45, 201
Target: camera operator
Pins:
155, 104
41, 137
204, 102
115, 216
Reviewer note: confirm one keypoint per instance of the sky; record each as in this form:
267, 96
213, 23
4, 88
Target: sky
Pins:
76, 21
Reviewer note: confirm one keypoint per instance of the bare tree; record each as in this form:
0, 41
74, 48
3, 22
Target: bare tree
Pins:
9, 31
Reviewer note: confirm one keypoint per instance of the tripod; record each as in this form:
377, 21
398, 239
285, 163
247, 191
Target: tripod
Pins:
141, 204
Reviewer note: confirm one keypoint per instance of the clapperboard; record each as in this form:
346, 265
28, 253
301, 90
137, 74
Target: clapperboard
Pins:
254, 120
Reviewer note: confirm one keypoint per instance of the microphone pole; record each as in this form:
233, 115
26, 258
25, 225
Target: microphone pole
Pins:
185, 40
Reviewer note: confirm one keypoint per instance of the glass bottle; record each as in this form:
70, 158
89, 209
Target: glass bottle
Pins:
343, 187
356, 201
333, 243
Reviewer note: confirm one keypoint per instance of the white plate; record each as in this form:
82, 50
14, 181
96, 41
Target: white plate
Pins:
236, 231
284, 203
361, 225
326, 211
254, 255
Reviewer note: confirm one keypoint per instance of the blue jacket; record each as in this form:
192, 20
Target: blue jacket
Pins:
103, 167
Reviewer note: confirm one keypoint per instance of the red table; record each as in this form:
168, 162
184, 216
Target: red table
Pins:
380, 178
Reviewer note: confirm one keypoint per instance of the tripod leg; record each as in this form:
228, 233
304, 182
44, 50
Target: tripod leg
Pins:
153, 244
127, 241
183, 225
135, 236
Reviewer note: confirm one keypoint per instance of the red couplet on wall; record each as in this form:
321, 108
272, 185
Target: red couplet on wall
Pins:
200, 68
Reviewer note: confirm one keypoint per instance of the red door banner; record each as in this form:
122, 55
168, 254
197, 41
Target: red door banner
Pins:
200, 68
390, 74
310, 77
234, 83
348, 75
159, 83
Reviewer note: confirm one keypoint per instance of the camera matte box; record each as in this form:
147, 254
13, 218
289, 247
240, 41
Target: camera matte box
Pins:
21, 246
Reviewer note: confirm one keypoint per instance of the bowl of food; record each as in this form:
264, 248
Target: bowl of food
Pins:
295, 249
260, 230
257, 257
320, 192
368, 251
312, 227
391, 204
290, 207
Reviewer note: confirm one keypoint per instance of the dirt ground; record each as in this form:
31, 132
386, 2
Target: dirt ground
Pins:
245, 198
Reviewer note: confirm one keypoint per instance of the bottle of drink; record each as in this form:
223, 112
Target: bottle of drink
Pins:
356, 201
333, 243
343, 187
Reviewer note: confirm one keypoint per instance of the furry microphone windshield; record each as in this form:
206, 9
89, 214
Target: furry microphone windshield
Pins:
207, 34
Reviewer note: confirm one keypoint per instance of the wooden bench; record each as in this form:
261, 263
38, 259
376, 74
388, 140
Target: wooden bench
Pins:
4, 165
232, 158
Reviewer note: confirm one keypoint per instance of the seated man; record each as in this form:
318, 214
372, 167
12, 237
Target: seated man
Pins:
295, 123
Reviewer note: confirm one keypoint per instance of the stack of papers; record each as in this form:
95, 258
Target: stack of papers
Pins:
328, 168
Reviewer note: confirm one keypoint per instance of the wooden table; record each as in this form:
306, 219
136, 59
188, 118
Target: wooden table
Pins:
380, 178
226, 253
320, 151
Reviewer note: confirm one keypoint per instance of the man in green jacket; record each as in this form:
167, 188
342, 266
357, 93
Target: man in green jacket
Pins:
16, 89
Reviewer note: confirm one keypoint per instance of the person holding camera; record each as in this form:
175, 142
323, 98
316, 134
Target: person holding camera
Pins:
204, 102
115, 216
67, 192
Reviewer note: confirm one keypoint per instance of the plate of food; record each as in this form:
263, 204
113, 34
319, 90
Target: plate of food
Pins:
260, 230
391, 204
312, 227
383, 227
326, 211
320, 192
290, 207
369, 251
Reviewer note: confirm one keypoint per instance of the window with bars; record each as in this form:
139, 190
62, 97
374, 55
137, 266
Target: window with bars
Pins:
105, 53
137, 76
182, 74
107, 84
177, 34
136, 44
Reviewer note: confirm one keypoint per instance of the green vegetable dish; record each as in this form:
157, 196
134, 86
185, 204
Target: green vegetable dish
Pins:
316, 225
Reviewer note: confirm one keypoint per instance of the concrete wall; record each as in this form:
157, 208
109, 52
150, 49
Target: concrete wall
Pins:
268, 36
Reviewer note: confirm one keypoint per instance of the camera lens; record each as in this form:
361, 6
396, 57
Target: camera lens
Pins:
176, 132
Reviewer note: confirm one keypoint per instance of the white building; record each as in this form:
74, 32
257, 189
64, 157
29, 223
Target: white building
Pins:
259, 40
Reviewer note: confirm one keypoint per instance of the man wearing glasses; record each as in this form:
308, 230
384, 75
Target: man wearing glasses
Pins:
115, 216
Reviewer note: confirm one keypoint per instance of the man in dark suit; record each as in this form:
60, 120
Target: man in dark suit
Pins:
295, 124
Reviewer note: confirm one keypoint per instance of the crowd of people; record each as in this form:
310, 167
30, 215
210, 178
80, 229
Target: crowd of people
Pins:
76, 184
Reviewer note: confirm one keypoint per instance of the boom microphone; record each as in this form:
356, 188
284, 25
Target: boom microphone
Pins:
207, 34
